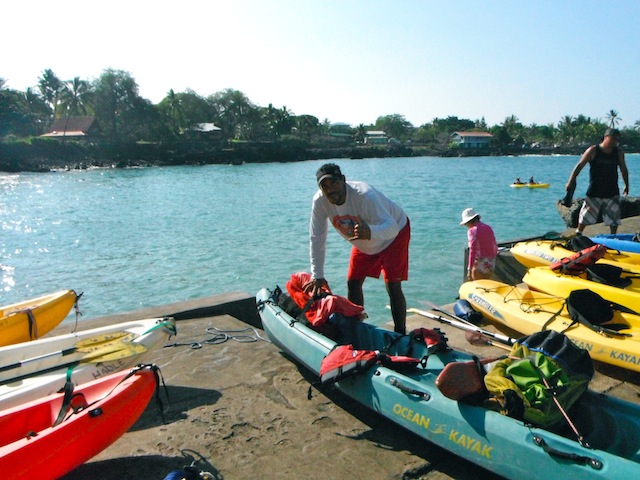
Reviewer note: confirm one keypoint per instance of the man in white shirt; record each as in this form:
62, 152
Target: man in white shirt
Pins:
378, 230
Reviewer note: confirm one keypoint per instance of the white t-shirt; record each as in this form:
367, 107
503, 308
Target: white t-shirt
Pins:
384, 217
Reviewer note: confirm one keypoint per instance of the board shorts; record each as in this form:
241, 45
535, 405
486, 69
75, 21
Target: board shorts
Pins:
393, 261
593, 206
485, 266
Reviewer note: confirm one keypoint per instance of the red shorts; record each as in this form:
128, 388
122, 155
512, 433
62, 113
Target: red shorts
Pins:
393, 260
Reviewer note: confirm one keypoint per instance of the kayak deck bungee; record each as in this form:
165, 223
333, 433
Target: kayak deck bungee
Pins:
38, 368
561, 285
545, 252
504, 445
50, 436
31, 319
527, 312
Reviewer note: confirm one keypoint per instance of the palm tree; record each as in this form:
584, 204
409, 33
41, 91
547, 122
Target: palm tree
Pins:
73, 96
565, 129
176, 113
50, 86
612, 116
360, 133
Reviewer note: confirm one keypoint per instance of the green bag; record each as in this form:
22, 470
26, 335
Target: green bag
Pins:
517, 385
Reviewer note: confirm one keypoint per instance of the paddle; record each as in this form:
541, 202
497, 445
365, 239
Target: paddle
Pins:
552, 235
94, 347
107, 353
463, 325
478, 339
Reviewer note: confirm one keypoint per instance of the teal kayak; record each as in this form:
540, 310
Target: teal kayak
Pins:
500, 444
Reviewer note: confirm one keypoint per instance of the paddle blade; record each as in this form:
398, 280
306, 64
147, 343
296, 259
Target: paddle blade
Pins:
114, 351
91, 344
103, 338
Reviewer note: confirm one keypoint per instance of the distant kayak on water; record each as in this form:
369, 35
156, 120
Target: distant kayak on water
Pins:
530, 185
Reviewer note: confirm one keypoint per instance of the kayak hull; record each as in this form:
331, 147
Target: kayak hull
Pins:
621, 241
561, 285
31, 319
411, 399
529, 185
42, 369
31, 446
545, 252
527, 311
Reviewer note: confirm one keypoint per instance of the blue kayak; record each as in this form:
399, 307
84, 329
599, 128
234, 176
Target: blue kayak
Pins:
626, 242
410, 397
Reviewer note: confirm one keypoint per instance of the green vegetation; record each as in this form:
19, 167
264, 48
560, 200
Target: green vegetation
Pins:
133, 131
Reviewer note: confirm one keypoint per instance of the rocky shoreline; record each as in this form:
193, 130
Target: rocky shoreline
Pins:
47, 156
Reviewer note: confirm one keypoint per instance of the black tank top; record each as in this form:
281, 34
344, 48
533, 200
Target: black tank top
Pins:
603, 174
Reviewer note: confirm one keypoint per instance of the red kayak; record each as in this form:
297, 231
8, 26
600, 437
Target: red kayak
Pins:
48, 438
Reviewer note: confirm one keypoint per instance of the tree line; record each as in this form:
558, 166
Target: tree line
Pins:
126, 118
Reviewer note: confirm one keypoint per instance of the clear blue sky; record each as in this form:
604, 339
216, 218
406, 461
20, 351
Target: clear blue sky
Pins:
346, 60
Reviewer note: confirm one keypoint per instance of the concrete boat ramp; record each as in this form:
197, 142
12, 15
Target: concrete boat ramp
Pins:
238, 409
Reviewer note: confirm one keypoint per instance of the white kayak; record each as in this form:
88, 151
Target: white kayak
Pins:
41, 367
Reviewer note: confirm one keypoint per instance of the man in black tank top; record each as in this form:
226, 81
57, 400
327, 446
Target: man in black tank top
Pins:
603, 194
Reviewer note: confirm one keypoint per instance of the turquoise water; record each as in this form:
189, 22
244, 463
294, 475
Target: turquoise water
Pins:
141, 237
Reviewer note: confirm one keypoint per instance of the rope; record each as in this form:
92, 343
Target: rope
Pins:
77, 311
217, 336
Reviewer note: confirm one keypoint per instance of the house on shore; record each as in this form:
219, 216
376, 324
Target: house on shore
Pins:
471, 139
76, 127
376, 137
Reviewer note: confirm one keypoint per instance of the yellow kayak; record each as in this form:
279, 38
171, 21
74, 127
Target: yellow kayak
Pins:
529, 185
546, 280
545, 252
528, 311
29, 320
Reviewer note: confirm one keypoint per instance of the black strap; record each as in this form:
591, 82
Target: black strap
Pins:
544, 327
581, 459
66, 401
33, 325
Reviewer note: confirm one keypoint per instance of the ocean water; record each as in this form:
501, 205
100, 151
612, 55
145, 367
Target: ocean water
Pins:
142, 237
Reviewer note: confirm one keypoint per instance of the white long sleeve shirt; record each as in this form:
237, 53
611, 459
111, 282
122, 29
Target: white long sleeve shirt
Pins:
384, 217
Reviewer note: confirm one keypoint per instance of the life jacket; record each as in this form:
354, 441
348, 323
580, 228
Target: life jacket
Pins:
580, 261
540, 369
318, 309
344, 361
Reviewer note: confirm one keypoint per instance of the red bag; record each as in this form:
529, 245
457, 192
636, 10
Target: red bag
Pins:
579, 262
319, 309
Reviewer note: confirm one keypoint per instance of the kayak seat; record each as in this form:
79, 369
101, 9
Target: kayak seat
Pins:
608, 275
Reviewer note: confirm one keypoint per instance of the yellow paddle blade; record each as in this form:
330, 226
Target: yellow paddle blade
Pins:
114, 351
90, 344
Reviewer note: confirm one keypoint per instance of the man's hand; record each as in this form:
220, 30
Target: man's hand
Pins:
361, 231
315, 287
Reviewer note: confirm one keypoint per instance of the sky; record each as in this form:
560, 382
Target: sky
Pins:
347, 61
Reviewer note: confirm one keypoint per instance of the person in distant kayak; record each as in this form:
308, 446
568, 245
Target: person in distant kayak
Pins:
603, 193
532, 181
377, 228
518, 182
483, 248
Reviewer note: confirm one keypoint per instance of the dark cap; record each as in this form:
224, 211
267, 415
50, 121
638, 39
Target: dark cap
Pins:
328, 170
612, 132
